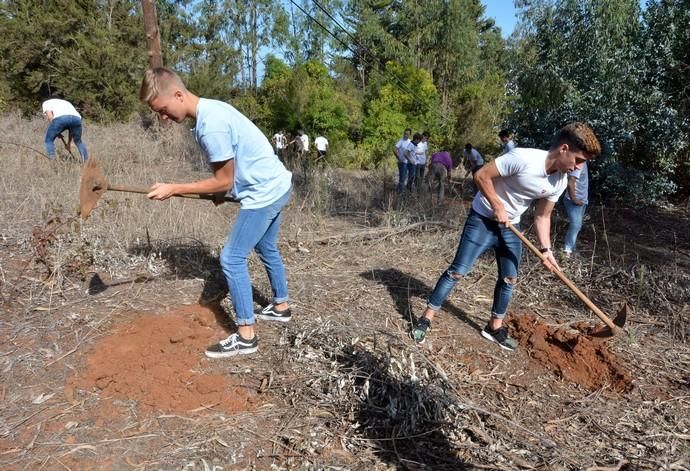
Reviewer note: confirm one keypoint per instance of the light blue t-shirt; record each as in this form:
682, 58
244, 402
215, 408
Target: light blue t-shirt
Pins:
474, 157
226, 134
508, 146
582, 183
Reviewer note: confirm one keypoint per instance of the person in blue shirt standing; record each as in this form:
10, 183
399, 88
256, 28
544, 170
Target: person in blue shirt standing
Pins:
575, 202
507, 143
243, 162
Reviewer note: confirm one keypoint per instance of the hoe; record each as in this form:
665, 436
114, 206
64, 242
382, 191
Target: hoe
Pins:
94, 184
611, 326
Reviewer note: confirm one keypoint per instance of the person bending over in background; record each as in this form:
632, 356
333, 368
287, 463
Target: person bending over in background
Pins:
439, 172
62, 115
242, 161
507, 186
475, 161
575, 202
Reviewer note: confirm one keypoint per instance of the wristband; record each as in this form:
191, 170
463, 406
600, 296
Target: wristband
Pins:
545, 249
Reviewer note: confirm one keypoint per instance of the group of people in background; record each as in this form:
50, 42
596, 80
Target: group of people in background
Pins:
297, 148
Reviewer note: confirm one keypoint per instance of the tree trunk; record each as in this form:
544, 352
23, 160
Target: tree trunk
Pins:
153, 36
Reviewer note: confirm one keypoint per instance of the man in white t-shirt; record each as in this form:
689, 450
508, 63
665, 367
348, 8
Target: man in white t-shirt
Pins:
399, 151
507, 186
420, 159
62, 116
321, 144
305, 142
243, 162
279, 143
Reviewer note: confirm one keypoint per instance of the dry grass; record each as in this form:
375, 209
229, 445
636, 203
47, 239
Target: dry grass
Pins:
344, 387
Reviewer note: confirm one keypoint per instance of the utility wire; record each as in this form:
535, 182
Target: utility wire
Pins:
358, 54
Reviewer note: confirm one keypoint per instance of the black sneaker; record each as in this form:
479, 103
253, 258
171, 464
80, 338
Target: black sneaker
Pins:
270, 313
501, 337
231, 346
420, 329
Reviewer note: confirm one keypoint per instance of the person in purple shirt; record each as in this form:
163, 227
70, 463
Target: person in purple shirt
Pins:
440, 169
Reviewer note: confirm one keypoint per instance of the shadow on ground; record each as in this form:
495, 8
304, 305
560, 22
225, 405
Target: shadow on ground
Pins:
405, 420
402, 287
193, 261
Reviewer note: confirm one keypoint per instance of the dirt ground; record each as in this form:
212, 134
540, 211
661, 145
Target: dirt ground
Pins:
102, 363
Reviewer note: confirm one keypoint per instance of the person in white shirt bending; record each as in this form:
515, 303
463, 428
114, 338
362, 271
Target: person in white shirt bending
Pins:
507, 187
62, 115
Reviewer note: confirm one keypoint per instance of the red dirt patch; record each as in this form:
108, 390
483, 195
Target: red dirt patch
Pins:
570, 354
156, 360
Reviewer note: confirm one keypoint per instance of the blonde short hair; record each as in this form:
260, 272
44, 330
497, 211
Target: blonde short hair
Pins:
157, 81
581, 137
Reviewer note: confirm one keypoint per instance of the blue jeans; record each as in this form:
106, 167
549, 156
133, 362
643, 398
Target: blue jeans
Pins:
576, 214
479, 235
59, 124
406, 173
254, 229
419, 176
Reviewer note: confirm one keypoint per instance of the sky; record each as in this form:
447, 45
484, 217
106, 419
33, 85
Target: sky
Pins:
503, 11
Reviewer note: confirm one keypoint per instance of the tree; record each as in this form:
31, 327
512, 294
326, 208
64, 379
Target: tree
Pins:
589, 60
68, 56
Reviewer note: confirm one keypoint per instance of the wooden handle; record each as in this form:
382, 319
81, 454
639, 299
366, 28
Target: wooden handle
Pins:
566, 280
145, 191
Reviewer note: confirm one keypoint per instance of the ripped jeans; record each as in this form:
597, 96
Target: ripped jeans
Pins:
479, 235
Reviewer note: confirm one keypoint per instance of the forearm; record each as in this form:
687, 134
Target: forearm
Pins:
542, 228
208, 185
571, 188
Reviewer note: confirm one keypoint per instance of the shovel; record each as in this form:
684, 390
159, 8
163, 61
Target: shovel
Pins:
94, 184
618, 321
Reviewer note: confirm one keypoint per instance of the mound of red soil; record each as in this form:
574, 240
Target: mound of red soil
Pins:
156, 360
570, 354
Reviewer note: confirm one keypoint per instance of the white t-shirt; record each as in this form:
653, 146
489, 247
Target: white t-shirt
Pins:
420, 152
321, 143
60, 108
224, 134
305, 142
410, 153
401, 145
280, 140
524, 179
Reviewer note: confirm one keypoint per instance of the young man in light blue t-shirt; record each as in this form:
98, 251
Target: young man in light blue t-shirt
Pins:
243, 162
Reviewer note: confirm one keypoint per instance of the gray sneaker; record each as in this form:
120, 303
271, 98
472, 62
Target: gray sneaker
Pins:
270, 313
419, 330
501, 337
231, 346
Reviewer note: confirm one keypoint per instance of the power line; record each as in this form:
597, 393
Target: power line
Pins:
358, 54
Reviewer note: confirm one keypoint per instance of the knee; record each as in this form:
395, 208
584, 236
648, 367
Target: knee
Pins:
454, 275
509, 281
231, 261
